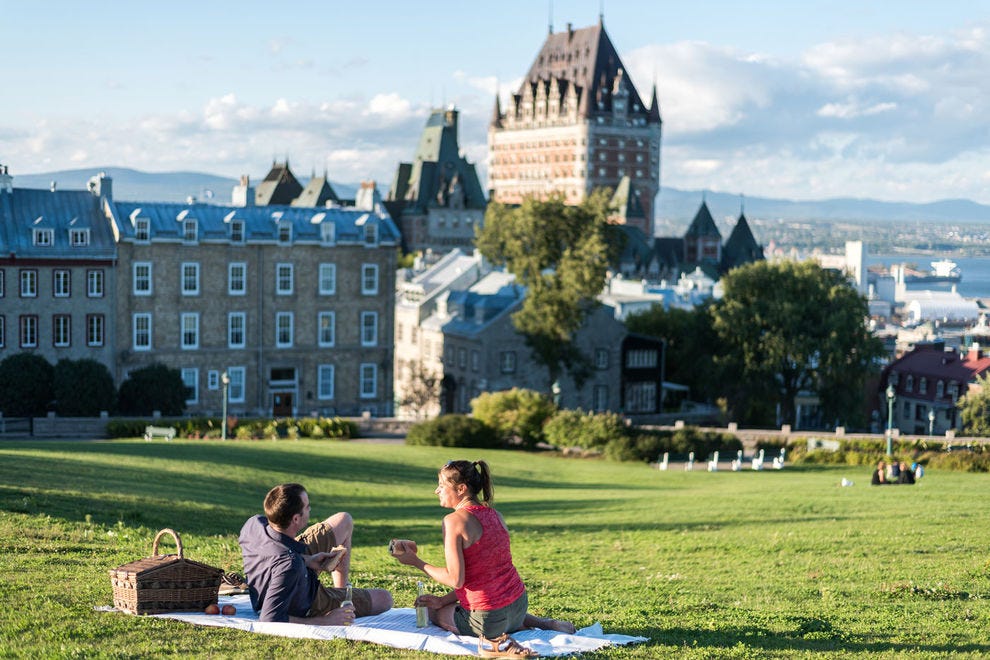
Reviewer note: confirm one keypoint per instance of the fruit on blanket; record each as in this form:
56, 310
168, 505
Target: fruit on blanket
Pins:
228, 610
212, 608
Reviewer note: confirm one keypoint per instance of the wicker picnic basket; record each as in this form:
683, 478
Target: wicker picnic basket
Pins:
164, 583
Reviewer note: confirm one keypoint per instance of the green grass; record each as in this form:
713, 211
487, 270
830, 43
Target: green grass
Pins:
773, 564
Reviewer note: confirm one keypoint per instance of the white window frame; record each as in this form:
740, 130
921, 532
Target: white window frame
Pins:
61, 330
326, 329
232, 320
284, 231
284, 277
190, 230
368, 380
235, 390
369, 328
327, 279
3, 282
507, 362
44, 237
61, 283
79, 237
3, 331
283, 323
213, 379
136, 320
325, 382
142, 230
190, 378
96, 329
95, 283
29, 283
328, 232
148, 280
189, 278
29, 331
369, 279
237, 234
237, 270
189, 331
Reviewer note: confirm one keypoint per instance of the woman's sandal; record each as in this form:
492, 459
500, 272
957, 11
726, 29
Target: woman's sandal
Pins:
503, 646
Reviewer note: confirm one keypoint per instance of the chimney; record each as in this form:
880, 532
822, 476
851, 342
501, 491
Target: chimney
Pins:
6, 181
974, 352
101, 185
242, 194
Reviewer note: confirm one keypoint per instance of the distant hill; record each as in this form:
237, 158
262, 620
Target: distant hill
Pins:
673, 205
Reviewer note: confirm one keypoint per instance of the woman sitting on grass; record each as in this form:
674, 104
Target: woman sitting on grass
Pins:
489, 598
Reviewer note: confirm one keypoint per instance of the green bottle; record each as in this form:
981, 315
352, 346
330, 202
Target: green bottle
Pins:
422, 616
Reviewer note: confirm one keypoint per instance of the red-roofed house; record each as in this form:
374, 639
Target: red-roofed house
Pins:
927, 382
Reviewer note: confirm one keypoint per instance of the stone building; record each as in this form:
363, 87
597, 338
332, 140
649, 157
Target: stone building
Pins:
437, 199
577, 123
57, 274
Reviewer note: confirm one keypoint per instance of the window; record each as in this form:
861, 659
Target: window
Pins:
213, 379
324, 381
95, 333
462, 358
44, 237
141, 324
190, 279
3, 331
641, 397
475, 360
370, 233
61, 330
909, 383
369, 380
78, 237
369, 328
237, 279
507, 362
29, 284
923, 385
601, 398
236, 231
190, 230
369, 279
326, 330
939, 389
236, 322
328, 279
94, 283
29, 331
189, 330
142, 229
284, 231
601, 358
283, 279
283, 329
235, 391
328, 232
641, 359
142, 278
61, 284
3, 288
190, 378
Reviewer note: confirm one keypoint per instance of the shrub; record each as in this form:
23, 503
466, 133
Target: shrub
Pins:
453, 431
575, 428
151, 388
83, 388
26, 385
650, 445
517, 415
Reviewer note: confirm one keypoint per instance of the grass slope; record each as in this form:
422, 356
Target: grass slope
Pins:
728, 565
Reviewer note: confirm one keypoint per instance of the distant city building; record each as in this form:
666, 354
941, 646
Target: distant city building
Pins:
437, 199
578, 123
281, 187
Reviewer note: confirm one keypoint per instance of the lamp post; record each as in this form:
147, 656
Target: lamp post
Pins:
225, 383
931, 422
555, 388
890, 419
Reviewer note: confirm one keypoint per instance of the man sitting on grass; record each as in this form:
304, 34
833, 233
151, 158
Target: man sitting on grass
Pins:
282, 568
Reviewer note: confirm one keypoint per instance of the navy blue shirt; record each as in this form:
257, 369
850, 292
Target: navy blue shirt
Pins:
279, 582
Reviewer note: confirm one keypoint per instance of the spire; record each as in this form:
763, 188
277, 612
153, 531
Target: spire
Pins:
497, 112
655, 106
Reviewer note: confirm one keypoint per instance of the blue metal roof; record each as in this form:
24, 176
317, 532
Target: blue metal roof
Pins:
23, 210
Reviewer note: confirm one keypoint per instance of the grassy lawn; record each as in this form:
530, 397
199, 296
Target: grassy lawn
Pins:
772, 564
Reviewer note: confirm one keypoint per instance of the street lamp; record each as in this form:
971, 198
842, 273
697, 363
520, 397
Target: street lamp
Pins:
890, 418
225, 382
931, 422
555, 388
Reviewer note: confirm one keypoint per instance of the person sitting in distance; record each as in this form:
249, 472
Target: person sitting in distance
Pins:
880, 475
907, 476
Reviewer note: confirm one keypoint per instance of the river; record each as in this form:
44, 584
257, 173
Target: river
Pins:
975, 282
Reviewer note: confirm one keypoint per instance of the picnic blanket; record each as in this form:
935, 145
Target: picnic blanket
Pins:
397, 628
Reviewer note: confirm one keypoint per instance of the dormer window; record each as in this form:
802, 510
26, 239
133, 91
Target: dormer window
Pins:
284, 231
142, 229
939, 389
44, 237
909, 384
328, 232
78, 237
236, 231
190, 230
893, 378
923, 385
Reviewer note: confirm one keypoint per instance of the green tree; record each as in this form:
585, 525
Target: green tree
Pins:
517, 415
83, 388
975, 408
151, 388
786, 327
25, 385
561, 254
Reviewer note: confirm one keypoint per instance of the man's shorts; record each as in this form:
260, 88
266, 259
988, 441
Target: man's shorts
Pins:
492, 623
320, 538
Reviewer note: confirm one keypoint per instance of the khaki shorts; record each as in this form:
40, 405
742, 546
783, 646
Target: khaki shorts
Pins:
320, 538
492, 623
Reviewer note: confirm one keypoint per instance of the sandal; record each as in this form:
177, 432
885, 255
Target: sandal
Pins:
232, 583
503, 646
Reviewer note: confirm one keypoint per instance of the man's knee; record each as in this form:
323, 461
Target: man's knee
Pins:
342, 525
381, 600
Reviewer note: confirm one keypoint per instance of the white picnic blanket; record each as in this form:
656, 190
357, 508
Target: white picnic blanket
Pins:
397, 628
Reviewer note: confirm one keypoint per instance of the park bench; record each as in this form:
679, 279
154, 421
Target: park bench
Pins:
151, 432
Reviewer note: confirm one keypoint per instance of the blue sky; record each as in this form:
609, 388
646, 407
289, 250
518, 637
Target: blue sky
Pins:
801, 100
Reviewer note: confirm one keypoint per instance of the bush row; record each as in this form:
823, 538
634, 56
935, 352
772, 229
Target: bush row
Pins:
291, 428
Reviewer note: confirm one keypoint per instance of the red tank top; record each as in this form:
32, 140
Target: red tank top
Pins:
490, 579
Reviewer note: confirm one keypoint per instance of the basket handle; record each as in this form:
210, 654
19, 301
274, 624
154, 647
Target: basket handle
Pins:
175, 535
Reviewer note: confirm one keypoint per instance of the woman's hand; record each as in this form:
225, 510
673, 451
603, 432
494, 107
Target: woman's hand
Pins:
429, 601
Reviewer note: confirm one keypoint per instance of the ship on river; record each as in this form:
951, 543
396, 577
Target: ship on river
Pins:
942, 271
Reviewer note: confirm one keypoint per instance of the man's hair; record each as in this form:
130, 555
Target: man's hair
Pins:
282, 502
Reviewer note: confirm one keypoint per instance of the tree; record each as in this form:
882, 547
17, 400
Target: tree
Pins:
83, 388
786, 327
25, 385
561, 254
517, 415
421, 390
151, 388
975, 408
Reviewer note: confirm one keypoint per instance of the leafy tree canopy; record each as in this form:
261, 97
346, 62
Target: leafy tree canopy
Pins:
786, 327
151, 388
975, 408
561, 254
83, 388
25, 385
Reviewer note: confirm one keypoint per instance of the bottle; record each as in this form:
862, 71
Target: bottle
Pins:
347, 602
422, 616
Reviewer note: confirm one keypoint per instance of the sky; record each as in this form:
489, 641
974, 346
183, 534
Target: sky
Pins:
810, 99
